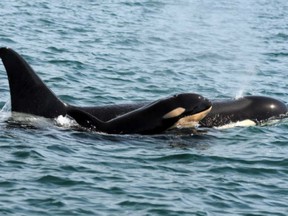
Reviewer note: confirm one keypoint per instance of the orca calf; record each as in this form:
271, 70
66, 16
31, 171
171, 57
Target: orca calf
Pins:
30, 95
182, 110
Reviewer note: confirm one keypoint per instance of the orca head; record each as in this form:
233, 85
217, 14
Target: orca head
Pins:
262, 108
187, 109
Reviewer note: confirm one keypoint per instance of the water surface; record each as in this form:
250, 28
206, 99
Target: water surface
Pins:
103, 52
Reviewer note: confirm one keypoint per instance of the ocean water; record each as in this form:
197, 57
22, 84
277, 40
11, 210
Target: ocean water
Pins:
107, 52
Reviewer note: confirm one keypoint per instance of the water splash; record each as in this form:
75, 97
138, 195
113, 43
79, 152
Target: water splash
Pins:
65, 122
6, 107
240, 93
5, 111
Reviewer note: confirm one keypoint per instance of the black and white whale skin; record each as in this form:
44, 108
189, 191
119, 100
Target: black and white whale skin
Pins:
30, 95
181, 110
246, 111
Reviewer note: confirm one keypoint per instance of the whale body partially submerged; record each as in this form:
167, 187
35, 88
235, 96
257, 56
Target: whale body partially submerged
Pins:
30, 95
247, 110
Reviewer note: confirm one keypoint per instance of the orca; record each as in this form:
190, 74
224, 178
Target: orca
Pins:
245, 111
30, 95
182, 110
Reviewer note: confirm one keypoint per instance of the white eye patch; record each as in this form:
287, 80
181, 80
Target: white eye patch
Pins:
174, 113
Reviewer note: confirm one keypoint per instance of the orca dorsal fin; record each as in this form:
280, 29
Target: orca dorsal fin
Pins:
28, 92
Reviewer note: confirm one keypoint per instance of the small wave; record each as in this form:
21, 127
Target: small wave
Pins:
55, 180
46, 202
277, 54
60, 148
23, 154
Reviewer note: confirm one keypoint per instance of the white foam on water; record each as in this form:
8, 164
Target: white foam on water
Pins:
5, 112
6, 107
64, 121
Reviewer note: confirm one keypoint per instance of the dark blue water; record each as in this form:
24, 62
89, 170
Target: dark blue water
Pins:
103, 52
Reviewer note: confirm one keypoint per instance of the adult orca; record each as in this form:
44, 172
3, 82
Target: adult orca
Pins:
245, 111
30, 95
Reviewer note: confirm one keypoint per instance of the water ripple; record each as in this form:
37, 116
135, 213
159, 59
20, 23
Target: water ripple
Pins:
124, 51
